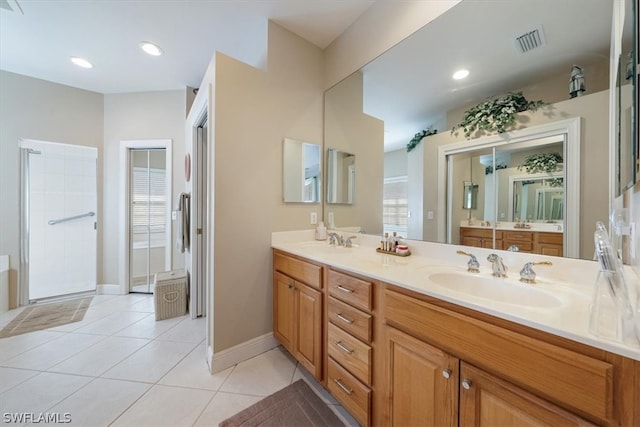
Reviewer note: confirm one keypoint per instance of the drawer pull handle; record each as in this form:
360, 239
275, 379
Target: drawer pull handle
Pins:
343, 289
466, 384
343, 387
446, 373
344, 319
343, 347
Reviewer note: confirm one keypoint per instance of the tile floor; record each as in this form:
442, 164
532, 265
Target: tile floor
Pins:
121, 367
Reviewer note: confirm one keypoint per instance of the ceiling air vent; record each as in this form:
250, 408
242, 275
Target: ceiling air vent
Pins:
530, 40
11, 6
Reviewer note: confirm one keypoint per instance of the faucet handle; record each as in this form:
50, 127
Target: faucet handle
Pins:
499, 269
473, 265
527, 275
347, 241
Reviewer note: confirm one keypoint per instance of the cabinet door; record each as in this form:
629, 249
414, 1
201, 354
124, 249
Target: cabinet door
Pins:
471, 241
308, 343
486, 400
283, 310
549, 249
422, 383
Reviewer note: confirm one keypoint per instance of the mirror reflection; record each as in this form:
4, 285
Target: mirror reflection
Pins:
409, 88
341, 177
302, 181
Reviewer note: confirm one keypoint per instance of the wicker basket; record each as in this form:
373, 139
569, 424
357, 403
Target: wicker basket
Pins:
170, 294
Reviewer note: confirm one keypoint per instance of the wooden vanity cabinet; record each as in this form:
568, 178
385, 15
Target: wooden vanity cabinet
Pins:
480, 237
549, 244
297, 310
350, 342
506, 375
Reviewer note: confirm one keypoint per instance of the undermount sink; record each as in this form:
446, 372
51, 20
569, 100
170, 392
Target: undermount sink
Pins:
495, 289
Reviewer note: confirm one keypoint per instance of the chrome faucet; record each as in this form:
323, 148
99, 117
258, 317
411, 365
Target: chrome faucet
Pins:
347, 241
527, 275
499, 269
335, 239
473, 266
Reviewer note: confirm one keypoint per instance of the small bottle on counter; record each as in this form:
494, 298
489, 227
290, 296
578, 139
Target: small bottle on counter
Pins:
385, 242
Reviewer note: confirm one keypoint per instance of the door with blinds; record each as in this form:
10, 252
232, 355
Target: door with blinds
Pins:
148, 217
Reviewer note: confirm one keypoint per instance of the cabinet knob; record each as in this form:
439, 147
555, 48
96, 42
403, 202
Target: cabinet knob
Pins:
291, 287
446, 373
466, 384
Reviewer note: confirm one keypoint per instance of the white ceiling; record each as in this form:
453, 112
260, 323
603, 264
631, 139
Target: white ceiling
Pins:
39, 42
410, 86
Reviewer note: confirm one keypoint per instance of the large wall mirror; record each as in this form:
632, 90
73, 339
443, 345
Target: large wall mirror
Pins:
410, 87
341, 177
302, 172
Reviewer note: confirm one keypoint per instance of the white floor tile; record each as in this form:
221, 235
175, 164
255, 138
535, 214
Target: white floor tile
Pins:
113, 323
53, 352
151, 362
10, 377
90, 316
166, 406
193, 372
40, 393
97, 359
8, 316
224, 405
147, 305
149, 327
12, 346
189, 330
100, 402
262, 375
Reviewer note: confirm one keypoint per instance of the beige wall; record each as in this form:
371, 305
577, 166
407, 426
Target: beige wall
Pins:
254, 112
148, 115
348, 129
37, 109
594, 152
364, 40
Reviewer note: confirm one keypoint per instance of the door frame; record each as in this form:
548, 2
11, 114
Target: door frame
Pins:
124, 212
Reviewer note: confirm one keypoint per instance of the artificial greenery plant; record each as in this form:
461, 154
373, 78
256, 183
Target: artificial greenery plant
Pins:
541, 162
496, 115
418, 137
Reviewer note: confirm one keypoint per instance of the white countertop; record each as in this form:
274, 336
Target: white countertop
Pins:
558, 303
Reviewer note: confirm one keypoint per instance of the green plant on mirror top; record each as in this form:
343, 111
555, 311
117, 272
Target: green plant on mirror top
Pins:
541, 163
496, 114
418, 137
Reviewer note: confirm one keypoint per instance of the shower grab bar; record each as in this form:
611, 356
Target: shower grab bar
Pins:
69, 218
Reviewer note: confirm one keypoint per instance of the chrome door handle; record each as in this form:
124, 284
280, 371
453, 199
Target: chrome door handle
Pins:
466, 384
446, 373
343, 387
343, 289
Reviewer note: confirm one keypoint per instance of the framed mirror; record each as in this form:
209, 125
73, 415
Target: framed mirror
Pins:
302, 171
341, 177
410, 87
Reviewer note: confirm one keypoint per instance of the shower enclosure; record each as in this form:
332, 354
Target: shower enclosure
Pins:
58, 219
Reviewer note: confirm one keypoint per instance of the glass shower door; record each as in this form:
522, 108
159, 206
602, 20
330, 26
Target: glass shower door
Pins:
148, 221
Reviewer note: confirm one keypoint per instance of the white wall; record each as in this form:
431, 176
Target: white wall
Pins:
395, 163
132, 116
37, 109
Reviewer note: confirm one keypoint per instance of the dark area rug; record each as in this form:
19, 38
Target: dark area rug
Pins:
294, 406
46, 315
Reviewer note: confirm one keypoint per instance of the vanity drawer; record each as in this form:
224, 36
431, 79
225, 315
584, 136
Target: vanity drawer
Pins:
354, 396
351, 290
554, 238
350, 352
352, 320
305, 272
520, 236
559, 374
485, 233
523, 246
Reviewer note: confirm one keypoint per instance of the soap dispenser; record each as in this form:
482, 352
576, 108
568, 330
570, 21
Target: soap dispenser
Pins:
321, 231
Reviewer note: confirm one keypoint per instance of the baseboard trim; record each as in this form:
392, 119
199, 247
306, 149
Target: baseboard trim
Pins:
239, 353
108, 290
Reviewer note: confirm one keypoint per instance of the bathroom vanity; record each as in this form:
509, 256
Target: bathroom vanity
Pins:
421, 341
526, 240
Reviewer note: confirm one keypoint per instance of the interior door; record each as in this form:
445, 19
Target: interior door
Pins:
148, 221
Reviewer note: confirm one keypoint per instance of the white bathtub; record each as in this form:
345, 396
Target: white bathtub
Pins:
4, 283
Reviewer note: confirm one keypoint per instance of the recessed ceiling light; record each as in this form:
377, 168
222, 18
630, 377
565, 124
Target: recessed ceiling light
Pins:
460, 74
81, 62
151, 48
